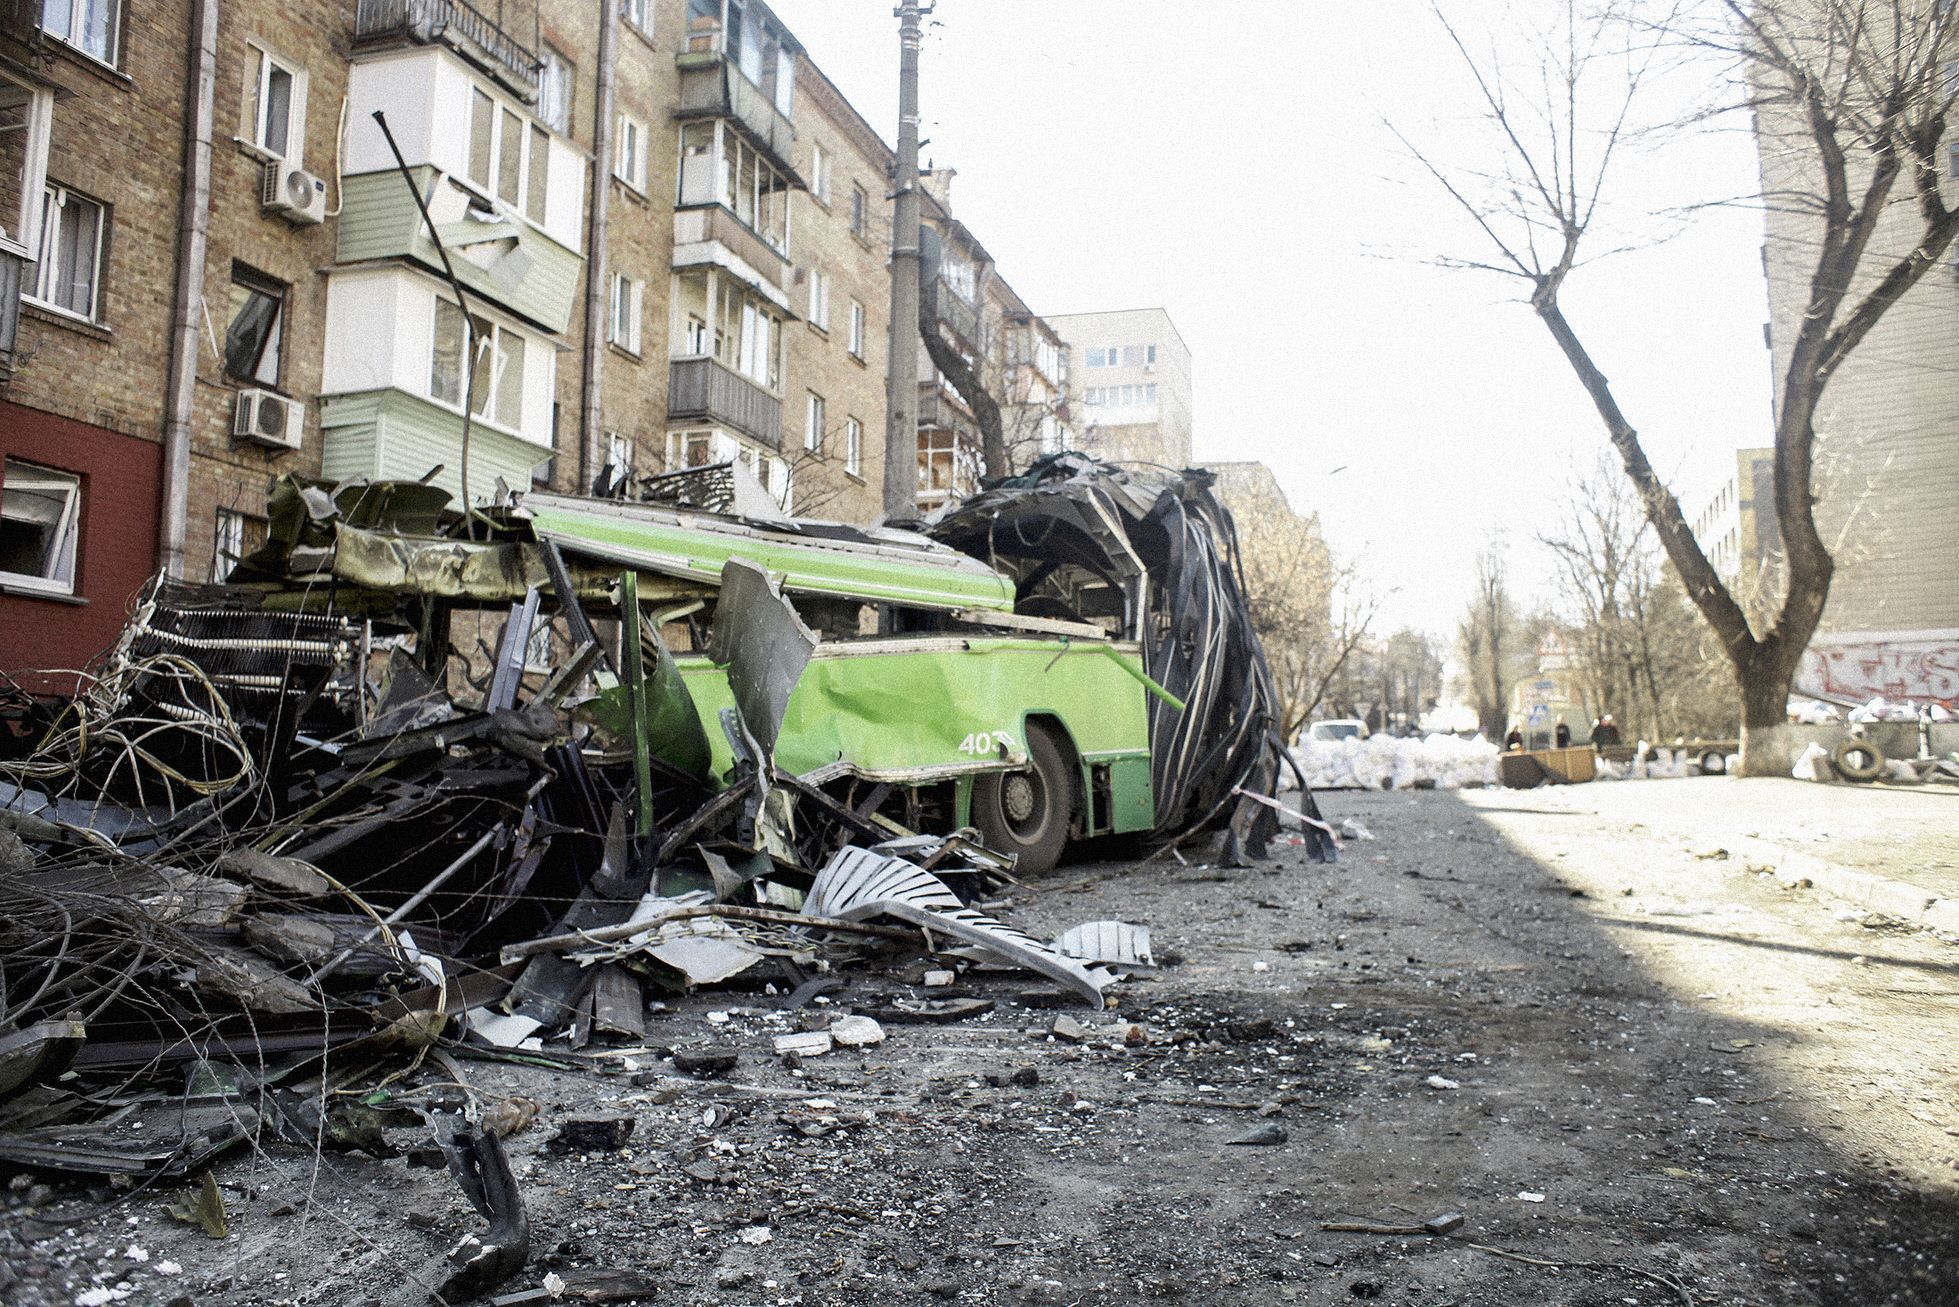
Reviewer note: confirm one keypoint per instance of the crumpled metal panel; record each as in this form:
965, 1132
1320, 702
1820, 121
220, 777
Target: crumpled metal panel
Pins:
764, 645
858, 884
1113, 943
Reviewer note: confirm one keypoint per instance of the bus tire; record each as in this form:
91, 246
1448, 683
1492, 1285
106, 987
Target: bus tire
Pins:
1858, 760
1027, 812
1713, 763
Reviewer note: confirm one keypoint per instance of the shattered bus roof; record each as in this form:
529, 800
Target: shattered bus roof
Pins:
872, 564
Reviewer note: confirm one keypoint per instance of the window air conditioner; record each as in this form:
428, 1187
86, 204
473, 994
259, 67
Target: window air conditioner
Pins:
269, 419
293, 193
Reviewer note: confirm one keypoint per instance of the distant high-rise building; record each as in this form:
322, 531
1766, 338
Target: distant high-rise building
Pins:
1128, 385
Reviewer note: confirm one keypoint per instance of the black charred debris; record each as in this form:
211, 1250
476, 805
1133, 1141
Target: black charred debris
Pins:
308, 833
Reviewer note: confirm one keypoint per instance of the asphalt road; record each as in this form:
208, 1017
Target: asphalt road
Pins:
1642, 1073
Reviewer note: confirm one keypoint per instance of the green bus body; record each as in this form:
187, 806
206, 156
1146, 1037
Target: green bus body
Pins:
916, 711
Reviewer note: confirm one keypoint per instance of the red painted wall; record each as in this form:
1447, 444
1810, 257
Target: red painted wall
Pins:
116, 551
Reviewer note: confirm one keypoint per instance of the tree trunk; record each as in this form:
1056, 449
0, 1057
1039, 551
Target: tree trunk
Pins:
966, 380
1765, 736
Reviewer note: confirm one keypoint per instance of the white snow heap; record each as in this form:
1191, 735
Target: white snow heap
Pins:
1397, 762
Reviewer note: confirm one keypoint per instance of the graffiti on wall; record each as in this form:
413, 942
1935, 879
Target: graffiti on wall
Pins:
1916, 667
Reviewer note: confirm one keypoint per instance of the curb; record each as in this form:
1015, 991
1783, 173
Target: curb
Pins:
1875, 893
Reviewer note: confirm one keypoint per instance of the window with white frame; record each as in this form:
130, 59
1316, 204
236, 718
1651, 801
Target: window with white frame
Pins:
819, 174
819, 300
237, 535
92, 26
629, 152
509, 156
856, 330
554, 83
618, 453
687, 449
853, 447
26, 124
760, 344
634, 12
860, 212
254, 327
68, 271
275, 105
938, 459
40, 516
627, 295
813, 423
496, 391
694, 337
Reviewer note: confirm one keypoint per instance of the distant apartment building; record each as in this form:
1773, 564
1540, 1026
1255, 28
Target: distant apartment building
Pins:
1887, 450
660, 246
1736, 527
1129, 388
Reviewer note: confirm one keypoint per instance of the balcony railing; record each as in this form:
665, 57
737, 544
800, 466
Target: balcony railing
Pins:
713, 224
704, 388
13, 268
454, 23
711, 87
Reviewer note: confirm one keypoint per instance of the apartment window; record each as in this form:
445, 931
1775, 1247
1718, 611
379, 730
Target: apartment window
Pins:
687, 449
496, 392
819, 300
856, 330
238, 534
618, 453
853, 447
254, 327
696, 335
813, 423
554, 81
626, 297
68, 274
509, 157
629, 153
634, 12
761, 334
1104, 357
819, 174
92, 26
937, 457
1149, 355
275, 105
40, 512
860, 212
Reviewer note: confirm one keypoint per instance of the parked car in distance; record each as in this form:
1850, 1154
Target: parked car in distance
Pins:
1337, 728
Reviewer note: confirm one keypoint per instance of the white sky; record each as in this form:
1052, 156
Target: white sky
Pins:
1230, 164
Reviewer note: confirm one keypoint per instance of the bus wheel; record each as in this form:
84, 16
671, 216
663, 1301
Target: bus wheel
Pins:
1026, 812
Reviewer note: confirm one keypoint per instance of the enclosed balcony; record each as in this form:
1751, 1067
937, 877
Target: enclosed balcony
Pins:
740, 64
456, 24
704, 389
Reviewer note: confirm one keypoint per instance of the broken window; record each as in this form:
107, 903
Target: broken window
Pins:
69, 277
40, 513
237, 535
497, 390
554, 83
255, 327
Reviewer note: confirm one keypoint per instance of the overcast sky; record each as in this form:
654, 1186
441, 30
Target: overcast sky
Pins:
1232, 165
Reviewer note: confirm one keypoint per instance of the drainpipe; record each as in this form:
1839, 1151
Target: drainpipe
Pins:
591, 434
193, 230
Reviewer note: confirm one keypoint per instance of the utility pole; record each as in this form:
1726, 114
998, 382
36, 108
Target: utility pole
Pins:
901, 374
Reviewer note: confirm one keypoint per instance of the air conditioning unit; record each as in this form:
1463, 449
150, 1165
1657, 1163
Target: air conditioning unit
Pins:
269, 419
293, 193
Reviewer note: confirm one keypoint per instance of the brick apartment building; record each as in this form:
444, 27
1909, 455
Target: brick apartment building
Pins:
670, 231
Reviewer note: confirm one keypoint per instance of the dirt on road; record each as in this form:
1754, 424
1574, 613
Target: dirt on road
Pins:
1642, 1076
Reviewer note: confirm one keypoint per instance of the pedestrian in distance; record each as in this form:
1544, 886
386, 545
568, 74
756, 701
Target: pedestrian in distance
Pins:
1514, 742
1563, 734
1605, 733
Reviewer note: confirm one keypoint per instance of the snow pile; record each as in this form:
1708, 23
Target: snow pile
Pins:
1882, 710
1397, 763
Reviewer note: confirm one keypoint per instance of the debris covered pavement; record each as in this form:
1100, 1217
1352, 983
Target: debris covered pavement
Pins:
297, 868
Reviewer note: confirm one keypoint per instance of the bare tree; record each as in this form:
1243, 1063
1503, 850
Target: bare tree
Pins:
1632, 636
1851, 99
1489, 642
